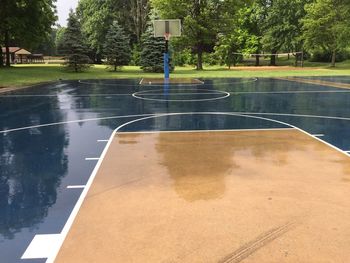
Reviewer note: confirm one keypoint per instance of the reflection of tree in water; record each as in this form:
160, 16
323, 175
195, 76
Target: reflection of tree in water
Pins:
32, 163
198, 173
199, 162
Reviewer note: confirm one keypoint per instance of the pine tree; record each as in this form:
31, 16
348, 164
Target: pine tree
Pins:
74, 48
117, 49
152, 52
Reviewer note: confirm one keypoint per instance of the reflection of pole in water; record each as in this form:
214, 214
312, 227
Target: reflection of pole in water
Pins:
166, 88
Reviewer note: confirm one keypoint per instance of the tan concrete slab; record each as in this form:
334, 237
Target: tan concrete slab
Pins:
255, 196
318, 82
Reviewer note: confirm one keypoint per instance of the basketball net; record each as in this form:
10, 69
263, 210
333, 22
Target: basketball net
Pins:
167, 36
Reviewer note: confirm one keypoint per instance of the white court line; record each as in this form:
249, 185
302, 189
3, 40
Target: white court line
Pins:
318, 135
224, 94
102, 140
243, 81
154, 94
77, 206
75, 186
205, 131
161, 114
295, 115
65, 94
290, 92
74, 121
42, 246
87, 82
182, 94
92, 159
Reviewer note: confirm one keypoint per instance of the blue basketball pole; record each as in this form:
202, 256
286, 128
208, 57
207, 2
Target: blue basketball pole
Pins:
166, 62
166, 66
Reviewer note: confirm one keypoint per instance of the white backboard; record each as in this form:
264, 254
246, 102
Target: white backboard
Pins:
168, 26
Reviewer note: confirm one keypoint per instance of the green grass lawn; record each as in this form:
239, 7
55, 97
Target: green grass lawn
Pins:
22, 75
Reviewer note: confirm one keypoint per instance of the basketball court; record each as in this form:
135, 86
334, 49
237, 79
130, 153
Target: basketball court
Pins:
207, 170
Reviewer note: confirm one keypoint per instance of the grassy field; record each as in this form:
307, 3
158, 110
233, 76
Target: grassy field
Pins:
23, 75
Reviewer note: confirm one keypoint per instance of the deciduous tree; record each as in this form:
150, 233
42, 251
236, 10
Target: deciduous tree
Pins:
28, 22
326, 26
202, 21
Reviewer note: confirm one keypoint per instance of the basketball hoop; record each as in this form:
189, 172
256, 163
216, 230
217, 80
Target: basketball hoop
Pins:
167, 36
166, 29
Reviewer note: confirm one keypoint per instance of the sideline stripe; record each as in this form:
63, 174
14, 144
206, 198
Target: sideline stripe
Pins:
74, 121
317, 82
75, 186
64, 94
92, 159
77, 206
42, 246
164, 114
243, 81
182, 94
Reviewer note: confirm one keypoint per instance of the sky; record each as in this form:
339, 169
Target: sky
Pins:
63, 7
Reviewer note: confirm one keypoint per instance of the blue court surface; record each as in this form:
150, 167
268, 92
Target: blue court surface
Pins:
51, 136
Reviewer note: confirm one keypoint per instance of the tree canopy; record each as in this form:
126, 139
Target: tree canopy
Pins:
202, 21
327, 26
25, 22
116, 47
74, 47
214, 31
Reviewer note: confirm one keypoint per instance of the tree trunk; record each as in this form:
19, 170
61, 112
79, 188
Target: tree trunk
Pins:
98, 59
7, 45
199, 59
1, 58
273, 58
257, 61
334, 53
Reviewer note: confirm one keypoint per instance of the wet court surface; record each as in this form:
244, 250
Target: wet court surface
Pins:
254, 170
280, 192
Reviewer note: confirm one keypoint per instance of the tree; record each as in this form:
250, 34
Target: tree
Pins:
152, 52
139, 11
282, 26
202, 21
326, 26
117, 48
250, 29
74, 48
28, 22
59, 41
97, 16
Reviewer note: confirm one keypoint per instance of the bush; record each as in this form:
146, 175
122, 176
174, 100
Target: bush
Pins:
211, 59
135, 55
321, 56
